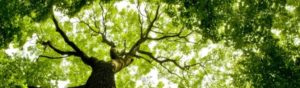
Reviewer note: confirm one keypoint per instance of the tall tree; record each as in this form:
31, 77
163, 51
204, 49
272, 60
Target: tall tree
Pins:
143, 25
192, 43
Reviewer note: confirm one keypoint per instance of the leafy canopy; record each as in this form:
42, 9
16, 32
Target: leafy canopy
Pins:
205, 43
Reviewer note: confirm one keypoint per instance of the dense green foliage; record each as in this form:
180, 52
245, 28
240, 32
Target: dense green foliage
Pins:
266, 31
214, 43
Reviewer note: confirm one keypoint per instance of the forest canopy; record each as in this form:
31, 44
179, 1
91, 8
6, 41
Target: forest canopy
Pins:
151, 43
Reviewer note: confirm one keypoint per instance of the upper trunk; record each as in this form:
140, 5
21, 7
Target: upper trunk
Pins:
102, 76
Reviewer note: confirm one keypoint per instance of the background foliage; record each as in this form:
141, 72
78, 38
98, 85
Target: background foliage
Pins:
239, 43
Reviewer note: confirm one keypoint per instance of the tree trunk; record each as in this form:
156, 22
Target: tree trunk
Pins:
102, 76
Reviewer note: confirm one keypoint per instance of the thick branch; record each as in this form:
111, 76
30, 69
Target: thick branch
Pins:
87, 60
103, 19
106, 41
152, 22
171, 35
102, 33
48, 43
149, 61
50, 57
66, 39
149, 54
103, 36
140, 19
90, 27
164, 37
144, 36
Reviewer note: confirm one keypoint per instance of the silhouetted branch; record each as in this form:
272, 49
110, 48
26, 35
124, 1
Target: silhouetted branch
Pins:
102, 33
48, 43
87, 60
103, 20
171, 72
66, 39
104, 38
90, 27
171, 35
150, 26
165, 59
144, 35
50, 57
140, 16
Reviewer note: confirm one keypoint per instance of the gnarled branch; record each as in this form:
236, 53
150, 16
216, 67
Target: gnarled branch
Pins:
65, 37
50, 57
102, 33
77, 52
48, 43
144, 36
156, 59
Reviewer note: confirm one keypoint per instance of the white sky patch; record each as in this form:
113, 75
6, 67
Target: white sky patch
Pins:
296, 41
29, 49
124, 5
222, 69
152, 44
31, 43
142, 9
63, 84
125, 30
187, 58
132, 70
192, 39
167, 83
153, 77
229, 65
74, 30
196, 71
289, 8
60, 83
87, 14
152, 35
65, 62
62, 17
138, 83
150, 79
276, 32
207, 80
74, 20
166, 19
204, 51
228, 81
109, 23
237, 53
11, 51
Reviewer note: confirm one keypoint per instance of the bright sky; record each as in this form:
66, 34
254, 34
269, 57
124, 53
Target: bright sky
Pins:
290, 8
25, 53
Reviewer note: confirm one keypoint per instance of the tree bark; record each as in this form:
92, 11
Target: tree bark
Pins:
102, 76
102, 72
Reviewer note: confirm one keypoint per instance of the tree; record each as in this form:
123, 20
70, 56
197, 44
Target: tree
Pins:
103, 71
192, 43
